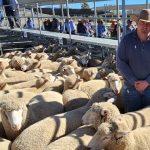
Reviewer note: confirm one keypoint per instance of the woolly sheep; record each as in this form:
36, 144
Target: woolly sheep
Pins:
16, 62
16, 116
69, 61
76, 140
51, 128
25, 94
132, 119
67, 70
43, 64
84, 73
73, 99
72, 82
31, 83
116, 136
98, 113
90, 87
36, 49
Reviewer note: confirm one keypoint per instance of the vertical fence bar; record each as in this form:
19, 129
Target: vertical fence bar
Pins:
39, 24
20, 18
68, 16
118, 24
32, 15
95, 16
53, 10
25, 18
124, 17
147, 5
41, 15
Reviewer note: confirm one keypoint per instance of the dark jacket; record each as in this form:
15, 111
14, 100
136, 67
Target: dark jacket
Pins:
133, 59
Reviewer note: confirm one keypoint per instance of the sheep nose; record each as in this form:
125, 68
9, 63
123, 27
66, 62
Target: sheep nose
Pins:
15, 127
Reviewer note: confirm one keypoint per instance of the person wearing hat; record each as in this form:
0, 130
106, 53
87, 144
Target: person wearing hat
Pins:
133, 62
129, 26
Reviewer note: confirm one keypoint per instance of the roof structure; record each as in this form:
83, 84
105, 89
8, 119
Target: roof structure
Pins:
54, 2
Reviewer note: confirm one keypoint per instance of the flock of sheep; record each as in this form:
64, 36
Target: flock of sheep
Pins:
61, 105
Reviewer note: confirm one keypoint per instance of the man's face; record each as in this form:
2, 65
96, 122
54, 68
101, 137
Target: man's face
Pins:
144, 27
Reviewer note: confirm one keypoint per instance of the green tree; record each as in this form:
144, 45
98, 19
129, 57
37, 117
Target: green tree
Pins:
85, 5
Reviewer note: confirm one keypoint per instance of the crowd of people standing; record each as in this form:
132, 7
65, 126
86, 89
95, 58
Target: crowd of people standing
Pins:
82, 27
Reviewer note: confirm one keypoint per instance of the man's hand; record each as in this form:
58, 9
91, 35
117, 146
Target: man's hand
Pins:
141, 85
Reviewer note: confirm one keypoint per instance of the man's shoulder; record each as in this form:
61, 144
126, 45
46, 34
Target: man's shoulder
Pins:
130, 35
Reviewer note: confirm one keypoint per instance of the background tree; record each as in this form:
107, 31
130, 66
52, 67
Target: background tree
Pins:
85, 5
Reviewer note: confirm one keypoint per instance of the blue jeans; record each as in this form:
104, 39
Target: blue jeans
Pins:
134, 100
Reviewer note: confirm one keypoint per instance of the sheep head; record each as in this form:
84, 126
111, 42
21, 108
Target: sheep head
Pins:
89, 73
16, 62
29, 64
110, 133
100, 112
101, 137
72, 82
67, 70
13, 113
115, 82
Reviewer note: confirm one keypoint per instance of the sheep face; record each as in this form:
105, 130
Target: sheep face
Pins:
100, 112
25, 66
12, 112
115, 82
101, 137
67, 70
15, 119
114, 133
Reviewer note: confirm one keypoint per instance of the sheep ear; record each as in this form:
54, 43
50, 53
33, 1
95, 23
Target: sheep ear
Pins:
111, 100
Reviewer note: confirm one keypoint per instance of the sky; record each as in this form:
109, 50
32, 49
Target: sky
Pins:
102, 3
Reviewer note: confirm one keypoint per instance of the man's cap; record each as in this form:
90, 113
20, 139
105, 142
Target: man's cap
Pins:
145, 15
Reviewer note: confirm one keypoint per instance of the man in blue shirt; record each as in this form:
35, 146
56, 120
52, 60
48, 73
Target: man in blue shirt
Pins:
133, 61
11, 10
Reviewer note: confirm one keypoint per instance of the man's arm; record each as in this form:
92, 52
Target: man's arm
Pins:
122, 62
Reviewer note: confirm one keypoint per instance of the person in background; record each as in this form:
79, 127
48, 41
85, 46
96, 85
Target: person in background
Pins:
101, 29
112, 28
129, 26
1, 13
11, 10
81, 28
55, 25
69, 25
133, 62
29, 24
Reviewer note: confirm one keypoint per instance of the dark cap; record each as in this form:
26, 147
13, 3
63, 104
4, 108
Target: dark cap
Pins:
145, 15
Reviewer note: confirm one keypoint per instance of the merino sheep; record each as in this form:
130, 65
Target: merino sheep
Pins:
16, 116
51, 128
43, 64
116, 136
36, 49
73, 99
133, 119
98, 114
90, 87
76, 140
16, 62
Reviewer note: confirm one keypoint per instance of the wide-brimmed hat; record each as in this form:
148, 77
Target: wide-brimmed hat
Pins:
145, 15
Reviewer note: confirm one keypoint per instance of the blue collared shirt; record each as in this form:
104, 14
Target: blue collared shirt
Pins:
133, 58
